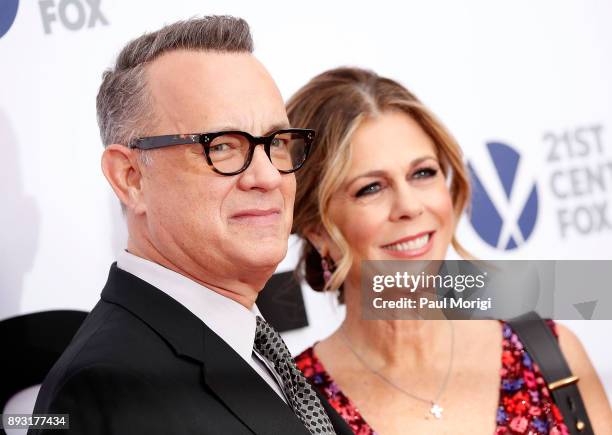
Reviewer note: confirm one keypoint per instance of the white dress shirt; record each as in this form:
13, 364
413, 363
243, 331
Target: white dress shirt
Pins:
230, 320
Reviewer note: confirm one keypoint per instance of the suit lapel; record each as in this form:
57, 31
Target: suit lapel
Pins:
231, 378
245, 392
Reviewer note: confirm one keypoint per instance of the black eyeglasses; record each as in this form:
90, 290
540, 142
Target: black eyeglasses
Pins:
231, 152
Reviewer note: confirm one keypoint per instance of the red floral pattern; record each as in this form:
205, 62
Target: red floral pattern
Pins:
525, 404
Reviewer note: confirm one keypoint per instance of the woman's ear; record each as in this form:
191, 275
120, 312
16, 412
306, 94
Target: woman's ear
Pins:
319, 238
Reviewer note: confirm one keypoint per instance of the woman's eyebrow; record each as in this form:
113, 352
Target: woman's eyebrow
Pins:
376, 173
381, 173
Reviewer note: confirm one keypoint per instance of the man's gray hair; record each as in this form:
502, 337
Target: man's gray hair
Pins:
123, 104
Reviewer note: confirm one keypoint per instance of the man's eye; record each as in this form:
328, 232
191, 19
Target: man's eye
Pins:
368, 190
220, 147
425, 173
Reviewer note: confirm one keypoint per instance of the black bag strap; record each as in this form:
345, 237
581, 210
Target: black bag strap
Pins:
543, 347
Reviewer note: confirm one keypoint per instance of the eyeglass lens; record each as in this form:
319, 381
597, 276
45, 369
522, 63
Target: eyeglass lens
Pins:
229, 152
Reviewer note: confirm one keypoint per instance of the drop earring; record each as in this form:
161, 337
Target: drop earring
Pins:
326, 272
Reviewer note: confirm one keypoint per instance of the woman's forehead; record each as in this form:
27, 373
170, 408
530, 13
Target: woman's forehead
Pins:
390, 140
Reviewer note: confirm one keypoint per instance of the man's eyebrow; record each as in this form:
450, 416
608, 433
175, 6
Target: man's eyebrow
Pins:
278, 126
381, 173
228, 127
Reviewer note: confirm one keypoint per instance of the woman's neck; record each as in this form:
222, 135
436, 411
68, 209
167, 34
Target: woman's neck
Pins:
412, 343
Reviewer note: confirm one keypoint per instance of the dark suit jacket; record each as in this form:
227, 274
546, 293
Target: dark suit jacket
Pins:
141, 363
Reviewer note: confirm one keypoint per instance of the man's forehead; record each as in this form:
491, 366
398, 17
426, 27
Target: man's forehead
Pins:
201, 60
215, 91
210, 74
256, 122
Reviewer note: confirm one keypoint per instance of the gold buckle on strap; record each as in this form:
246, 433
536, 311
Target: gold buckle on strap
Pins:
563, 382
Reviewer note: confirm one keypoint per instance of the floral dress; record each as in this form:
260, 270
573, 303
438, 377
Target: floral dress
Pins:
525, 404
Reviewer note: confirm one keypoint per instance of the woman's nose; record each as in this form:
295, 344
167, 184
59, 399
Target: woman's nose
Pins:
407, 204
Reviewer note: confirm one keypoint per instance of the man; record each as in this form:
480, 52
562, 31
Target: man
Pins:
198, 151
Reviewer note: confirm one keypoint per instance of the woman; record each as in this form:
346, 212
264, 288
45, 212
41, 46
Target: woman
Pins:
385, 180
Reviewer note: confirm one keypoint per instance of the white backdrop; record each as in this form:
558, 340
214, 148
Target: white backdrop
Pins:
533, 76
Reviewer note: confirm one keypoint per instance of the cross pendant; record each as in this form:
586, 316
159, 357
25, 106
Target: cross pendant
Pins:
436, 410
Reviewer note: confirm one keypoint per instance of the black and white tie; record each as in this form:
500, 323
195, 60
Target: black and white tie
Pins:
300, 394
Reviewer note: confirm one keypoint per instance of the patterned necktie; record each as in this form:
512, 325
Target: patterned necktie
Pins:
300, 394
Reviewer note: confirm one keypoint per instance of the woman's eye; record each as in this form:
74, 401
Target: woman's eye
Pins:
368, 190
425, 173
278, 143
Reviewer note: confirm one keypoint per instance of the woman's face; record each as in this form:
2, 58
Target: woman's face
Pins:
394, 203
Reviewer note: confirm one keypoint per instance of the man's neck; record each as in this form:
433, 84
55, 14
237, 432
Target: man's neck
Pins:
243, 293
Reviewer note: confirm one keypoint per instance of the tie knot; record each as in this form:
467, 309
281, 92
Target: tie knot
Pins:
268, 342
263, 329
262, 325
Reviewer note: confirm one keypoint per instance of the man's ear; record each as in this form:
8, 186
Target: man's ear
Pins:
122, 170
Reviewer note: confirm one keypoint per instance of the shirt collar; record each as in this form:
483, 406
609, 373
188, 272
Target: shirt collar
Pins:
230, 320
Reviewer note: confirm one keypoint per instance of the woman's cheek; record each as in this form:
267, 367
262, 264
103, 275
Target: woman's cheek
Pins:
365, 233
441, 206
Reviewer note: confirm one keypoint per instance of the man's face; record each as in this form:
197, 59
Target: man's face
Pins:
211, 226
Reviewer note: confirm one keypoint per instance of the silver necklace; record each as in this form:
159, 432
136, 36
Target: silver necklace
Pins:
435, 410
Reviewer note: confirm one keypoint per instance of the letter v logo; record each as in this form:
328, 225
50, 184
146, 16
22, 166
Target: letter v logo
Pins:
8, 12
504, 198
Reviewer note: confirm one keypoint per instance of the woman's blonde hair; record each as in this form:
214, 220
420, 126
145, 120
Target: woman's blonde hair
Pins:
334, 104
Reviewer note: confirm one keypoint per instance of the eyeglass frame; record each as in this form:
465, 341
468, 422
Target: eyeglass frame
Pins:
205, 139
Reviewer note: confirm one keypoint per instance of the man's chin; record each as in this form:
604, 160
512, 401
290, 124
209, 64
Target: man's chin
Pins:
261, 254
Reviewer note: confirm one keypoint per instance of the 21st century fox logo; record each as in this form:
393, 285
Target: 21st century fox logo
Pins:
68, 14
71, 14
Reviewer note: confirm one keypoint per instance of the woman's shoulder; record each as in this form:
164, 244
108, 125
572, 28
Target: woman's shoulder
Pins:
590, 386
308, 363
305, 359
569, 342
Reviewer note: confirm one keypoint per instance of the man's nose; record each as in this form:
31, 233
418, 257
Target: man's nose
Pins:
261, 173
